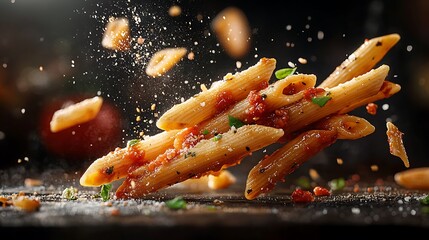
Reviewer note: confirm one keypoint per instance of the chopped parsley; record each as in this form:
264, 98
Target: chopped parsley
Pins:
105, 191
321, 101
282, 73
234, 122
337, 184
132, 142
425, 200
176, 203
217, 137
70, 193
205, 132
303, 182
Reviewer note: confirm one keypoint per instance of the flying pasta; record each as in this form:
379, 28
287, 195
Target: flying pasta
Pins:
221, 126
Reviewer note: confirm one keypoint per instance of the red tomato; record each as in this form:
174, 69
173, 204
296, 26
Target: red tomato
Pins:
321, 191
91, 139
301, 196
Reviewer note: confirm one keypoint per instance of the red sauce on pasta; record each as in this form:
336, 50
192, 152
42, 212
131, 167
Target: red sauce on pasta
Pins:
223, 101
187, 138
312, 93
262, 85
162, 159
290, 89
277, 119
134, 154
257, 107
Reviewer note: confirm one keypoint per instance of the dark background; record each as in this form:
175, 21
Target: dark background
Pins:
65, 38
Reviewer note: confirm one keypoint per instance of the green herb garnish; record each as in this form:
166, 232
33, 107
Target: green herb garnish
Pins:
132, 142
282, 73
205, 132
337, 184
70, 193
234, 122
217, 137
321, 101
176, 203
303, 182
105, 191
425, 200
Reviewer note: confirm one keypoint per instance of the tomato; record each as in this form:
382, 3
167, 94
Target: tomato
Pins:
88, 140
321, 191
301, 196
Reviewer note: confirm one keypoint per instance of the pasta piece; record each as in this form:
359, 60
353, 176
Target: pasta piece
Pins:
414, 178
387, 90
164, 60
215, 181
116, 164
26, 204
75, 114
220, 96
396, 145
207, 156
233, 31
263, 177
117, 34
362, 60
281, 93
306, 112
221, 180
347, 126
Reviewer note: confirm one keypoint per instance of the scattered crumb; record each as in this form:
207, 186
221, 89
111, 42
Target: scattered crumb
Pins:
175, 11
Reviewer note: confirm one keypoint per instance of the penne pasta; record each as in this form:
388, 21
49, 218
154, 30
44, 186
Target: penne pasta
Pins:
263, 177
117, 34
116, 164
387, 90
241, 114
281, 93
414, 178
207, 156
220, 96
347, 126
306, 112
215, 181
163, 60
396, 145
75, 114
362, 60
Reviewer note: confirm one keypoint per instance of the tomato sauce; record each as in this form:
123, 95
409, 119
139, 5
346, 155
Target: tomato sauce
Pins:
257, 107
187, 138
312, 93
301, 196
223, 101
321, 191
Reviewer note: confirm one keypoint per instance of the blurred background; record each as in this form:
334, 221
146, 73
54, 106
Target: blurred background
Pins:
51, 53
